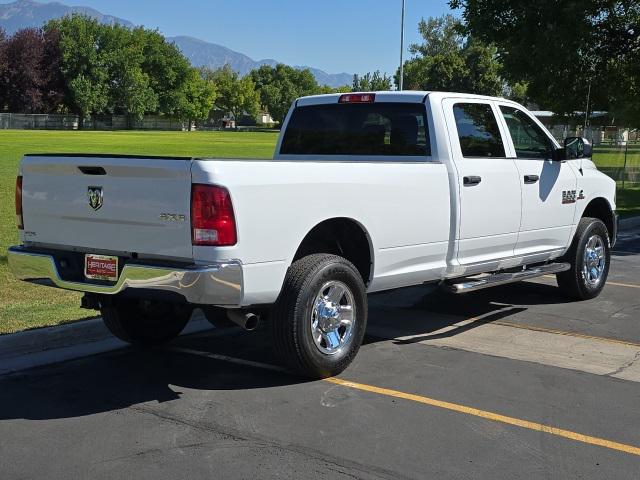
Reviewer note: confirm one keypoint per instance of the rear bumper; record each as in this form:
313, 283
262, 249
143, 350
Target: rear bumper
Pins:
215, 284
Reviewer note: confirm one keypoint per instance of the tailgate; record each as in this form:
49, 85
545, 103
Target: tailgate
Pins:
108, 203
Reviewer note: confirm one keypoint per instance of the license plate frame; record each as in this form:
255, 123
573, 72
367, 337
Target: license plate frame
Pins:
101, 267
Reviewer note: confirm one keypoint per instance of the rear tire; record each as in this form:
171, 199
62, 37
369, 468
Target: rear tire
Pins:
144, 322
319, 319
589, 256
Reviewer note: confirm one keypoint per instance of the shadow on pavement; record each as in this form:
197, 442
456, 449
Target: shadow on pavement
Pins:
128, 377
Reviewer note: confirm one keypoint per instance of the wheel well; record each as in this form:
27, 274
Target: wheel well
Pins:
340, 236
600, 208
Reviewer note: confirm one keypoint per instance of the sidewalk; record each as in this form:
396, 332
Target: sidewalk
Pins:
42, 346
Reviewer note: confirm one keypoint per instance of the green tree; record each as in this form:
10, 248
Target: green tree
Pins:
83, 64
518, 92
279, 86
441, 36
624, 97
483, 69
129, 89
564, 49
112, 69
326, 89
448, 60
235, 95
196, 98
170, 73
371, 82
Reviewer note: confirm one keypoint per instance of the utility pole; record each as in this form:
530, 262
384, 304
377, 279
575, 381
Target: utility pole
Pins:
586, 112
401, 48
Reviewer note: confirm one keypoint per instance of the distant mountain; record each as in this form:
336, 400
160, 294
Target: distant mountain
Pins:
205, 54
28, 13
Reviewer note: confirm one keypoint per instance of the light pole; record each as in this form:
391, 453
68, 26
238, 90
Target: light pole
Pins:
586, 112
401, 48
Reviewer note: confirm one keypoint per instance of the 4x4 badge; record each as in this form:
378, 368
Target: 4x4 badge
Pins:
95, 197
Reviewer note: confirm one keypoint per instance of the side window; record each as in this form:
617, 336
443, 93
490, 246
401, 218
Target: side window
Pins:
478, 130
528, 138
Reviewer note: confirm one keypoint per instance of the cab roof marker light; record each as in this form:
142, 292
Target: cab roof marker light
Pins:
357, 98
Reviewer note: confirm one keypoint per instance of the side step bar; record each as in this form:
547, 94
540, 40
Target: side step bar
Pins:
473, 284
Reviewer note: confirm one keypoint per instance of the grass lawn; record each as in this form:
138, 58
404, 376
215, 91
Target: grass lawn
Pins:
605, 156
24, 306
628, 201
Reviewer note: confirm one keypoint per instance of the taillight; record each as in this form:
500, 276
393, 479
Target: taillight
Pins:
357, 98
212, 219
19, 218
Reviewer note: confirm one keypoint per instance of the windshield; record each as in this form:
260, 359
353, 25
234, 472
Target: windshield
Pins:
389, 129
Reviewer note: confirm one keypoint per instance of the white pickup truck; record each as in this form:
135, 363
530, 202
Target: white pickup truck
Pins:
366, 192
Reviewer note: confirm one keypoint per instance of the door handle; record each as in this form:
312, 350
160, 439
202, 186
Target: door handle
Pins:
531, 178
471, 180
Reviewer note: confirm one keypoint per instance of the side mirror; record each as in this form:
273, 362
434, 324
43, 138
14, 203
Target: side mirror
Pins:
577, 147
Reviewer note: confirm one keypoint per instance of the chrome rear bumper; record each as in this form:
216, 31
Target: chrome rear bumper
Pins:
216, 284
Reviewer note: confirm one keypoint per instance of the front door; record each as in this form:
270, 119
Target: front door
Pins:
488, 182
548, 187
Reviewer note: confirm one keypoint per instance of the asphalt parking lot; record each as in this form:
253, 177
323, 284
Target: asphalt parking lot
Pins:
509, 382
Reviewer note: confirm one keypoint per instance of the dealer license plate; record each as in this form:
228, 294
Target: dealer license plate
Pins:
101, 267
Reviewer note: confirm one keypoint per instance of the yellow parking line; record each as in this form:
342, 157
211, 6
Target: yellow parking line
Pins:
496, 417
562, 332
617, 284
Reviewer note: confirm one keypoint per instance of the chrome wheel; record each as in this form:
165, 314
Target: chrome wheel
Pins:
332, 317
594, 261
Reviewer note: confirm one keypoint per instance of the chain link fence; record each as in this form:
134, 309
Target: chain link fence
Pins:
620, 161
616, 151
23, 121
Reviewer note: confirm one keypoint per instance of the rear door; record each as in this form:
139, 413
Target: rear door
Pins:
488, 182
547, 209
108, 204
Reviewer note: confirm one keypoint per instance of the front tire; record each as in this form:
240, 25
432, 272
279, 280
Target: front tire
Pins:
319, 319
589, 256
145, 322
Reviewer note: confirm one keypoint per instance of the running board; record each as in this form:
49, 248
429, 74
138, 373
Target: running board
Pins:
494, 279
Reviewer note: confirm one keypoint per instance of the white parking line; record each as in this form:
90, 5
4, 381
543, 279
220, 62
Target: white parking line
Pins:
226, 358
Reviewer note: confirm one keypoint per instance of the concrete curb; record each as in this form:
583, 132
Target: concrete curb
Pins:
49, 338
43, 346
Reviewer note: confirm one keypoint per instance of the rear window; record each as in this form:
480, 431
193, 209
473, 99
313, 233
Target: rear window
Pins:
389, 129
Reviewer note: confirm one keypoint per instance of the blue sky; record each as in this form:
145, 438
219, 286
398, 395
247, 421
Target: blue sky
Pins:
353, 36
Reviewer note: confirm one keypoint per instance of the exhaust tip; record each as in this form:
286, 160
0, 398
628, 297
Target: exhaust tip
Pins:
247, 320
252, 321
